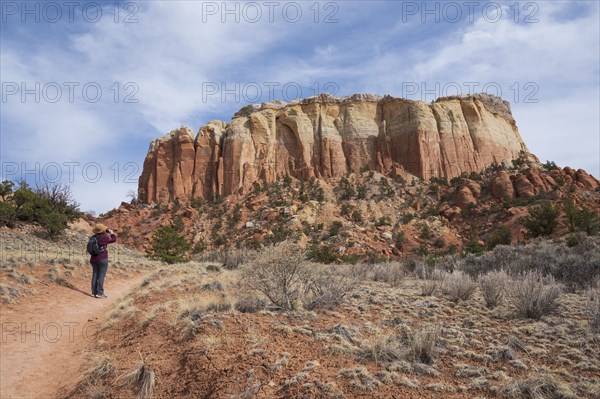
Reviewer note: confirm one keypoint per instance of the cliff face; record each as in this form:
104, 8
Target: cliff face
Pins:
325, 137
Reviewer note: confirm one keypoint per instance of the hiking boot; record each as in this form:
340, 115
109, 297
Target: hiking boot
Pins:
101, 296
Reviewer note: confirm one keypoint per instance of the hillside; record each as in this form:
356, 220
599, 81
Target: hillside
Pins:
367, 214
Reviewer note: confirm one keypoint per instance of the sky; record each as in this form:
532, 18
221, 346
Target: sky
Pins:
86, 85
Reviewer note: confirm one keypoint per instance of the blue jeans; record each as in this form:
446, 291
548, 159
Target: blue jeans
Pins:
98, 274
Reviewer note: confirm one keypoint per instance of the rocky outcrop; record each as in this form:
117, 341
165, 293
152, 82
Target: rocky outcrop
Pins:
534, 181
326, 137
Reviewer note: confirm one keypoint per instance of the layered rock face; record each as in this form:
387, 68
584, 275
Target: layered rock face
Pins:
326, 137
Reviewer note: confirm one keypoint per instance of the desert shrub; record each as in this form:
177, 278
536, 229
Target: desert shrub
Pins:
584, 219
587, 220
321, 254
52, 206
577, 267
572, 240
345, 210
168, 245
7, 212
576, 271
534, 295
459, 286
289, 281
433, 283
492, 287
392, 273
400, 239
542, 219
250, 304
422, 343
335, 228
213, 268
473, 246
278, 274
406, 218
325, 287
592, 308
233, 258
502, 236
425, 232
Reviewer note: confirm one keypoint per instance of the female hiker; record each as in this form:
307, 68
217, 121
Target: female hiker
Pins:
99, 259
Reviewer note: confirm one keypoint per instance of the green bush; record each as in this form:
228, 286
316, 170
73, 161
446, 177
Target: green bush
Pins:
7, 213
542, 220
502, 236
400, 240
572, 240
168, 245
473, 247
321, 254
51, 206
53, 222
584, 219
335, 228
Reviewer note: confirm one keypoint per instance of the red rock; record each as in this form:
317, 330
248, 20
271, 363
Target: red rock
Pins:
465, 198
502, 186
450, 213
258, 238
523, 186
586, 179
326, 137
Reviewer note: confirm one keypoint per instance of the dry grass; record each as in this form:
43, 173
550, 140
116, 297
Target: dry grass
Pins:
433, 283
123, 310
101, 369
360, 378
538, 387
422, 343
8, 293
141, 378
22, 278
381, 347
534, 295
249, 303
592, 308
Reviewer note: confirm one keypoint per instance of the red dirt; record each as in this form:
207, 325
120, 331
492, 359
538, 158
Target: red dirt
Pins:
45, 336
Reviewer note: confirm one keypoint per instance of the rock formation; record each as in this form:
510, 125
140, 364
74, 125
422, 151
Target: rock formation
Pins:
326, 137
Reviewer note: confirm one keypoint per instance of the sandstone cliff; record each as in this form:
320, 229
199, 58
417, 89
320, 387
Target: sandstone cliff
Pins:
326, 137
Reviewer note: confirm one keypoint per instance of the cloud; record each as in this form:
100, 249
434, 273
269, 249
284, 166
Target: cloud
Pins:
176, 49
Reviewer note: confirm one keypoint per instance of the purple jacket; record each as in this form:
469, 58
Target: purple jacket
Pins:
103, 241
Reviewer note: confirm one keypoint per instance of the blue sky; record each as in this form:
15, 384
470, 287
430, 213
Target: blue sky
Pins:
129, 73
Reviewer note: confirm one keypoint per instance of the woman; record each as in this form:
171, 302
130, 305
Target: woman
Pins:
100, 262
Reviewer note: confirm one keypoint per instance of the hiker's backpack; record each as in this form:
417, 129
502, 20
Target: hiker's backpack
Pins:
93, 246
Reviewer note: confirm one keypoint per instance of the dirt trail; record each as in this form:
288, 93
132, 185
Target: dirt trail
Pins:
44, 337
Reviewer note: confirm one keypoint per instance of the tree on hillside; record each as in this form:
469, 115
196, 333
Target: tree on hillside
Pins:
542, 220
168, 245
